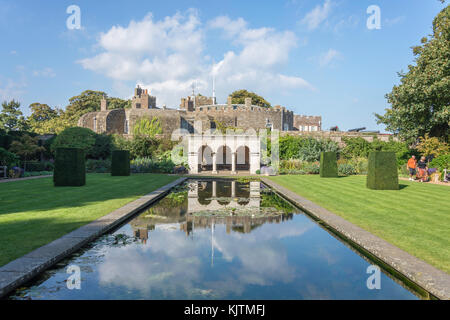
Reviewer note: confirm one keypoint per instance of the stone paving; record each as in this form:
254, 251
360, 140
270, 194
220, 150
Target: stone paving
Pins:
22, 179
21, 270
433, 280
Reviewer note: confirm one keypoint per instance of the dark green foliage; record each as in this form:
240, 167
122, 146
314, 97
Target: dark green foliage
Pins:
75, 137
305, 148
382, 171
102, 147
98, 166
120, 165
328, 165
69, 167
8, 159
143, 146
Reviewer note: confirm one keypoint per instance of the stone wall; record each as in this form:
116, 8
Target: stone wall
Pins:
338, 136
301, 121
170, 119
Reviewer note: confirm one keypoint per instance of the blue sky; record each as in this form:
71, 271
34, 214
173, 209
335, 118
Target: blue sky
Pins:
314, 57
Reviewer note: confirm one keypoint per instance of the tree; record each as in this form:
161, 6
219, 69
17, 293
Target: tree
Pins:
238, 97
431, 146
421, 103
40, 117
11, 118
147, 127
26, 147
89, 101
75, 137
143, 146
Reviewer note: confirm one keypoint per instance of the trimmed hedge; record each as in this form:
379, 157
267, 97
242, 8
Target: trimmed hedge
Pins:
120, 164
70, 168
382, 171
328, 165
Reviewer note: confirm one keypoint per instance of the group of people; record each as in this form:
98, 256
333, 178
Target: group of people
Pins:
418, 168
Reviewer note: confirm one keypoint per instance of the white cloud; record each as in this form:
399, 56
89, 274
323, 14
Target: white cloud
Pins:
168, 55
11, 89
318, 15
328, 57
46, 73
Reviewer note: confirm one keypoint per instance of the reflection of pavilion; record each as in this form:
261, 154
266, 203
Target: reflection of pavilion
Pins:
198, 200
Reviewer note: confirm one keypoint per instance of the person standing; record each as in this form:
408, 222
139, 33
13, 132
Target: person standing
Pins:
423, 169
412, 163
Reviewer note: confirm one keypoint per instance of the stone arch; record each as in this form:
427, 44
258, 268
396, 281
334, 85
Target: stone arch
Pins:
243, 158
224, 157
205, 158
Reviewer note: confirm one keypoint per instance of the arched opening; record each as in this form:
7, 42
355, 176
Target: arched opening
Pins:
223, 158
243, 158
204, 158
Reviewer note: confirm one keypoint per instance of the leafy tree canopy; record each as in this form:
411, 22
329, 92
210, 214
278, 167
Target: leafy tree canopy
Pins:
75, 137
238, 97
147, 127
11, 118
421, 103
89, 101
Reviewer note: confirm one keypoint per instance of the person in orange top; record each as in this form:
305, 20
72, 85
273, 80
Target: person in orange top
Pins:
412, 163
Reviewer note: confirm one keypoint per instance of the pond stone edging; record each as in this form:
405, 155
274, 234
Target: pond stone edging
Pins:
23, 269
433, 280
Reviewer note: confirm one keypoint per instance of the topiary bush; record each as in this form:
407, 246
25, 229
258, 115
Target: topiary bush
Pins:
69, 167
382, 171
328, 165
120, 164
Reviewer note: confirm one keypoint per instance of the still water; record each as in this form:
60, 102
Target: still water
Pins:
217, 239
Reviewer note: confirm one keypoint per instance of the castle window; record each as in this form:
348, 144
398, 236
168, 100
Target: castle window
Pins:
125, 127
234, 107
213, 125
95, 124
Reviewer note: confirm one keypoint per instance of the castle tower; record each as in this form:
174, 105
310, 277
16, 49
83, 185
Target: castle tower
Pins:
103, 104
248, 102
142, 100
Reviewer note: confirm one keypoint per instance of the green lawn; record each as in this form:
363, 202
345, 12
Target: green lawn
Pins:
415, 218
34, 212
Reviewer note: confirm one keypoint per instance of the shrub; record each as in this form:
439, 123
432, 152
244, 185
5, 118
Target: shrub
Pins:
143, 147
35, 166
8, 159
328, 165
120, 164
147, 165
442, 162
98, 166
69, 167
75, 137
382, 171
101, 149
305, 149
346, 169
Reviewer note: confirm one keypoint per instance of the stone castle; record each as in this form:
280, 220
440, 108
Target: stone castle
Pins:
193, 110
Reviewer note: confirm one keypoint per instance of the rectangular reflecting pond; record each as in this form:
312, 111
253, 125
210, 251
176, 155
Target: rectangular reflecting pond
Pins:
216, 239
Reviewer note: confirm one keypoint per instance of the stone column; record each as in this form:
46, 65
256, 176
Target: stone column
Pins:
254, 162
233, 163
233, 189
214, 189
214, 164
193, 162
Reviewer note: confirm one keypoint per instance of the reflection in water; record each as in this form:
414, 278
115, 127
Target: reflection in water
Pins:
217, 239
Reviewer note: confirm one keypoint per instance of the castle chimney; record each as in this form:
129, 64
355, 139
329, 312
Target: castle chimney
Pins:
248, 102
103, 104
229, 101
